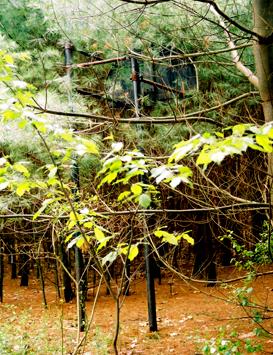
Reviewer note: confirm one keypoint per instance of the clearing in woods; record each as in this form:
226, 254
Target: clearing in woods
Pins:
189, 315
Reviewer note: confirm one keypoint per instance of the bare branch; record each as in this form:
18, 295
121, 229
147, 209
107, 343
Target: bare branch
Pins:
186, 55
237, 207
234, 53
133, 120
229, 102
261, 39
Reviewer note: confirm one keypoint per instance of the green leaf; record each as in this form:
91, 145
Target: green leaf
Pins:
270, 133
161, 173
8, 59
239, 129
133, 252
265, 142
186, 236
91, 147
21, 169
88, 224
44, 206
99, 234
22, 188
80, 242
203, 158
136, 189
167, 237
108, 179
67, 136
10, 115
123, 195
103, 242
40, 126
145, 200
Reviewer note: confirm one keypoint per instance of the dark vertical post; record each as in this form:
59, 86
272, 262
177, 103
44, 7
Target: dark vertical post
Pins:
150, 288
1, 270
147, 252
24, 267
75, 177
67, 289
13, 260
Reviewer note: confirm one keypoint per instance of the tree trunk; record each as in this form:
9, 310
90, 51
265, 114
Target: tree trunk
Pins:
263, 25
1, 270
24, 259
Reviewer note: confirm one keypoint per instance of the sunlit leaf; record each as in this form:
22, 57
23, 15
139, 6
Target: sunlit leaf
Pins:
4, 185
124, 195
99, 234
21, 169
40, 126
22, 188
145, 200
136, 189
187, 237
133, 252
110, 257
265, 142
167, 237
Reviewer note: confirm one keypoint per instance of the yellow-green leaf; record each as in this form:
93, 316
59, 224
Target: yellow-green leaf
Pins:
99, 234
40, 126
22, 188
186, 236
264, 141
21, 169
88, 224
123, 195
136, 189
133, 252
91, 147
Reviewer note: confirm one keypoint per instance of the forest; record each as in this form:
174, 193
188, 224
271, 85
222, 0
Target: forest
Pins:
136, 177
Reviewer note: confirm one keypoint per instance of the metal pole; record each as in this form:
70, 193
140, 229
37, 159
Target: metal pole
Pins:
75, 177
136, 84
147, 250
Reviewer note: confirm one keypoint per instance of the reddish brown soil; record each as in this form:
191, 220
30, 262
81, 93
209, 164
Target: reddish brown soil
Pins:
188, 316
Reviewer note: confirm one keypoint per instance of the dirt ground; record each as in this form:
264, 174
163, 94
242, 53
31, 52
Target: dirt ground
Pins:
189, 316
